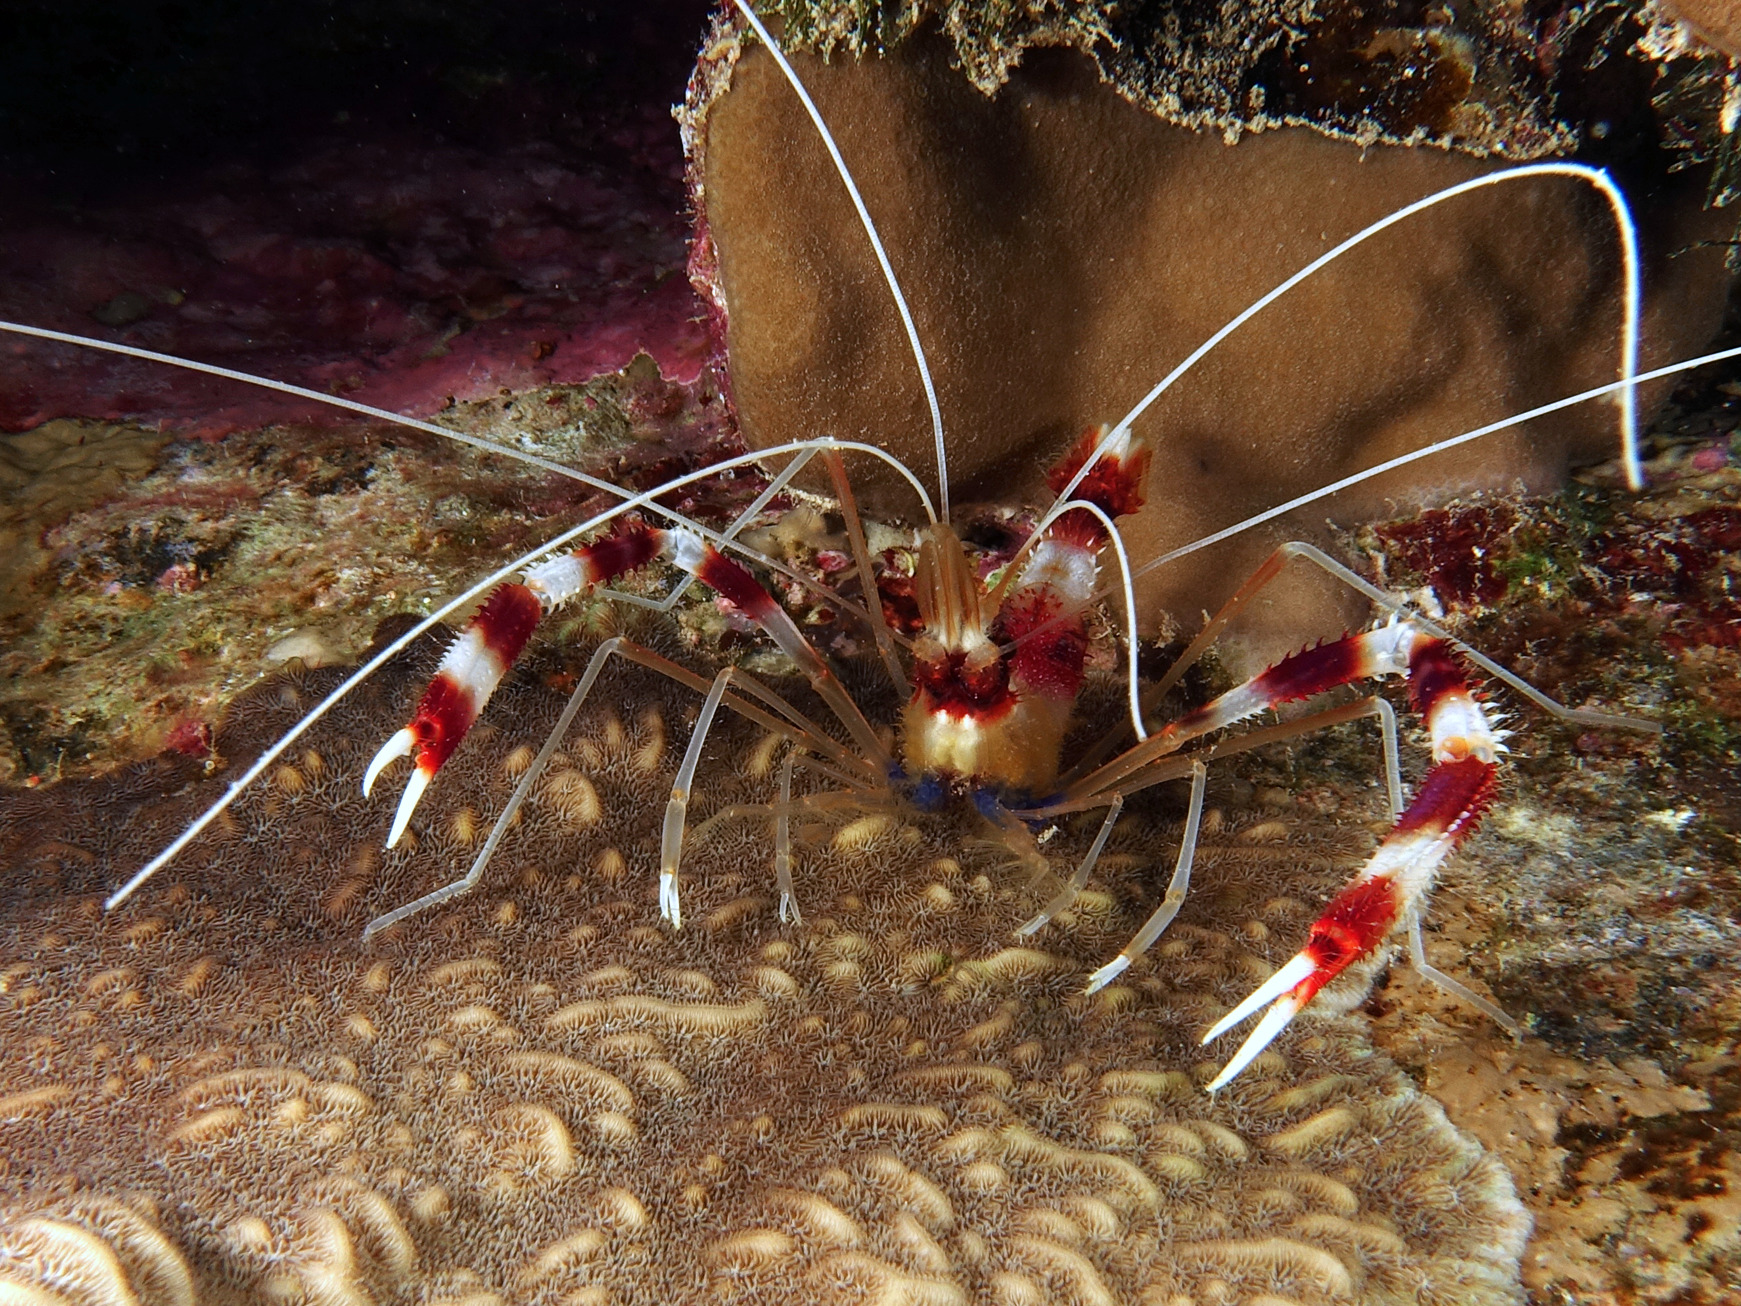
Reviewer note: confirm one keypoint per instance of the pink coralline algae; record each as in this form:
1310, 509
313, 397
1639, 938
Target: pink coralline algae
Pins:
1455, 551
393, 267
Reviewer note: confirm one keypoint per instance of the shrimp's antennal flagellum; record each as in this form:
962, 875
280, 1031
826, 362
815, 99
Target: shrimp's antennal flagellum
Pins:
1631, 308
876, 241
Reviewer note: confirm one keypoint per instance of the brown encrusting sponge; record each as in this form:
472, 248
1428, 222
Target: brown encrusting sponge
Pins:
1067, 229
218, 1094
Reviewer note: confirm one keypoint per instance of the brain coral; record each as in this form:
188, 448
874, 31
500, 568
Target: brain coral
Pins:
218, 1094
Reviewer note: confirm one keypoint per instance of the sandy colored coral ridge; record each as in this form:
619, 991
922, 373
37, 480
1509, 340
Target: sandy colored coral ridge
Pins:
540, 1093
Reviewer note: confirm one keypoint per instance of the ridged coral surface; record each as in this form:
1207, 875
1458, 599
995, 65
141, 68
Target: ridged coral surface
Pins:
540, 1094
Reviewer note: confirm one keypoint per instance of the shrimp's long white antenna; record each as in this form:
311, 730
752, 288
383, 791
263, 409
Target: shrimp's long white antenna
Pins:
1631, 307
500, 574
316, 396
725, 541
876, 241
1401, 460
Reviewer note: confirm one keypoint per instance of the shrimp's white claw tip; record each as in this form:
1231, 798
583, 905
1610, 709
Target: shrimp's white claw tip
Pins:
1275, 1020
1107, 973
395, 748
1031, 927
669, 907
1301, 967
408, 801
789, 910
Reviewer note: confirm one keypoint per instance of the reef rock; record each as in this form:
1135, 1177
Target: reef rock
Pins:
1063, 248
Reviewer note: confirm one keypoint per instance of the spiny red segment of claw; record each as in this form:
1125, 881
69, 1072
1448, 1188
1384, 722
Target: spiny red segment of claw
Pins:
507, 620
1049, 661
1435, 674
1313, 670
634, 545
443, 715
732, 582
1114, 485
1354, 923
1452, 799
462, 684
1300, 675
484, 651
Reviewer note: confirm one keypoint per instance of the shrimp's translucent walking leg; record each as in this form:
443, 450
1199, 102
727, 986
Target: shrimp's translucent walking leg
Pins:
1176, 889
1162, 769
1073, 886
1014, 833
855, 791
1172, 768
1418, 959
1392, 755
783, 843
677, 809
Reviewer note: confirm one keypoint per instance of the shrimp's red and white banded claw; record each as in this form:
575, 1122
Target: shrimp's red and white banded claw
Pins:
496, 636
1393, 885
484, 651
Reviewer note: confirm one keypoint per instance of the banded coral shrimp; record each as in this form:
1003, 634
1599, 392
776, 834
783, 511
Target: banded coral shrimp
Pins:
1462, 729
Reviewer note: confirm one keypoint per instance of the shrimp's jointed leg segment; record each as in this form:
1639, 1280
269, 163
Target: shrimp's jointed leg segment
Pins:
1393, 884
1177, 887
